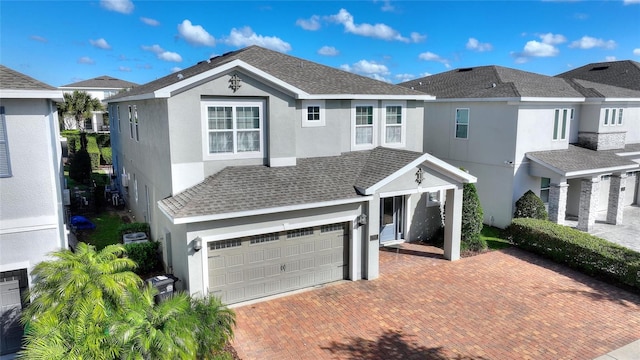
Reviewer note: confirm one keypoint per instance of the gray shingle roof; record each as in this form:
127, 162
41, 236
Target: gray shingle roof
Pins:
624, 73
578, 159
102, 82
11, 79
308, 76
313, 180
491, 82
592, 89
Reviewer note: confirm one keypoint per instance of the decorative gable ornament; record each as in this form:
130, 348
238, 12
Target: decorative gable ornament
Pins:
419, 176
235, 82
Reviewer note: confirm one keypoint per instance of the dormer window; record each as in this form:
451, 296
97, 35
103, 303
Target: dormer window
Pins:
313, 113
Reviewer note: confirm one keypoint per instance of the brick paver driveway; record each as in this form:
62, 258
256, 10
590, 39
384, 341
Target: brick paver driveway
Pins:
500, 305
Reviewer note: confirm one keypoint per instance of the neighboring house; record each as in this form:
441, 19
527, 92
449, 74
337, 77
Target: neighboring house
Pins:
31, 206
572, 142
99, 88
262, 173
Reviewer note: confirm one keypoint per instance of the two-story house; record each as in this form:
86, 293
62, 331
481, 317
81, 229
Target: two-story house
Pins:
31, 206
519, 131
99, 88
262, 173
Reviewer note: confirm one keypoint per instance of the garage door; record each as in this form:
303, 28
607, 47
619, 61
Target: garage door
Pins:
252, 267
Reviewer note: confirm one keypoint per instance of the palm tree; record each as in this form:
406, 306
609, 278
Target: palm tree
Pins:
79, 106
73, 300
214, 328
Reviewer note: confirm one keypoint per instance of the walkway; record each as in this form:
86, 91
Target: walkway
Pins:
501, 305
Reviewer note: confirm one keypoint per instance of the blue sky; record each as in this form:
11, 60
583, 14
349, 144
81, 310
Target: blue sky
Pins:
61, 42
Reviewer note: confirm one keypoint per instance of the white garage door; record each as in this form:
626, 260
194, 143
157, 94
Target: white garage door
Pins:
256, 266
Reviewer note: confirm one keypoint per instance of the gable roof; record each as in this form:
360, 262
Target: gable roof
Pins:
299, 76
592, 89
578, 161
101, 82
312, 182
15, 85
492, 82
624, 73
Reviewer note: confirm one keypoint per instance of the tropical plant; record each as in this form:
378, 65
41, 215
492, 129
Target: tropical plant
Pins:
79, 105
73, 299
530, 206
214, 328
472, 217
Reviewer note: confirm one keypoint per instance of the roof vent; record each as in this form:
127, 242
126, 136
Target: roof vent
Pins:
597, 68
180, 76
419, 82
493, 85
465, 69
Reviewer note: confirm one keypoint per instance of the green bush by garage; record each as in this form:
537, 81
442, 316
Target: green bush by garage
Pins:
584, 252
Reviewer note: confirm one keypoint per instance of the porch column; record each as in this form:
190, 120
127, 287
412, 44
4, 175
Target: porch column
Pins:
589, 194
372, 240
453, 223
558, 202
616, 198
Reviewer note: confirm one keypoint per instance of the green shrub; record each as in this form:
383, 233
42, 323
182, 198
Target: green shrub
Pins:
145, 254
133, 228
584, 252
80, 167
471, 217
94, 151
105, 155
475, 243
103, 140
530, 206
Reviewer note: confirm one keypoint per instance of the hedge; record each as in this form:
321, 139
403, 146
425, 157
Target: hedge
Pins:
105, 154
145, 254
584, 252
94, 152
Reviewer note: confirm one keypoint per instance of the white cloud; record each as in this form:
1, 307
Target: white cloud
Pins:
610, 58
368, 68
429, 56
175, 69
149, 21
404, 77
534, 48
379, 31
588, 42
553, 39
417, 37
86, 60
629, 2
387, 7
162, 54
124, 69
636, 52
311, 24
195, 34
38, 38
475, 45
246, 36
328, 51
121, 6
100, 43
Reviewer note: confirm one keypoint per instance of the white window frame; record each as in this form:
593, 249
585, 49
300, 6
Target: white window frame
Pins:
130, 122
564, 117
374, 138
205, 104
5, 169
118, 115
434, 198
616, 118
306, 104
403, 125
455, 124
136, 122
543, 188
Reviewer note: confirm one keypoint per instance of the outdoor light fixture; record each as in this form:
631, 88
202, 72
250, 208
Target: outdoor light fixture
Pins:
362, 219
197, 244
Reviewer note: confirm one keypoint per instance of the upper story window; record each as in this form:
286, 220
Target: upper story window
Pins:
135, 122
130, 122
462, 123
394, 124
613, 117
118, 118
364, 125
313, 113
560, 120
5, 160
233, 128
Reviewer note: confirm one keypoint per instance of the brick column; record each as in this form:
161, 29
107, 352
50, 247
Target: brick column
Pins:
589, 194
558, 202
616, 198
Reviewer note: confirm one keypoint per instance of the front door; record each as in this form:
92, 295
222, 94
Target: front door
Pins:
391, 219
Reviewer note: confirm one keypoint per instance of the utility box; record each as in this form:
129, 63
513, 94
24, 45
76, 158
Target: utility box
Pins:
165, 285
134, 238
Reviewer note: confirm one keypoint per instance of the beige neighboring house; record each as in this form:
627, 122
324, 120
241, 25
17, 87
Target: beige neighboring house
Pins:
31, 204
261, 173
573, 139
100, 88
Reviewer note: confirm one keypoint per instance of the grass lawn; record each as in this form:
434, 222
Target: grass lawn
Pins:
493, 237
106, 231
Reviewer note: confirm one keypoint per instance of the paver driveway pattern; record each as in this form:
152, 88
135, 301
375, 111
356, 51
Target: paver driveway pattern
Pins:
500, 305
